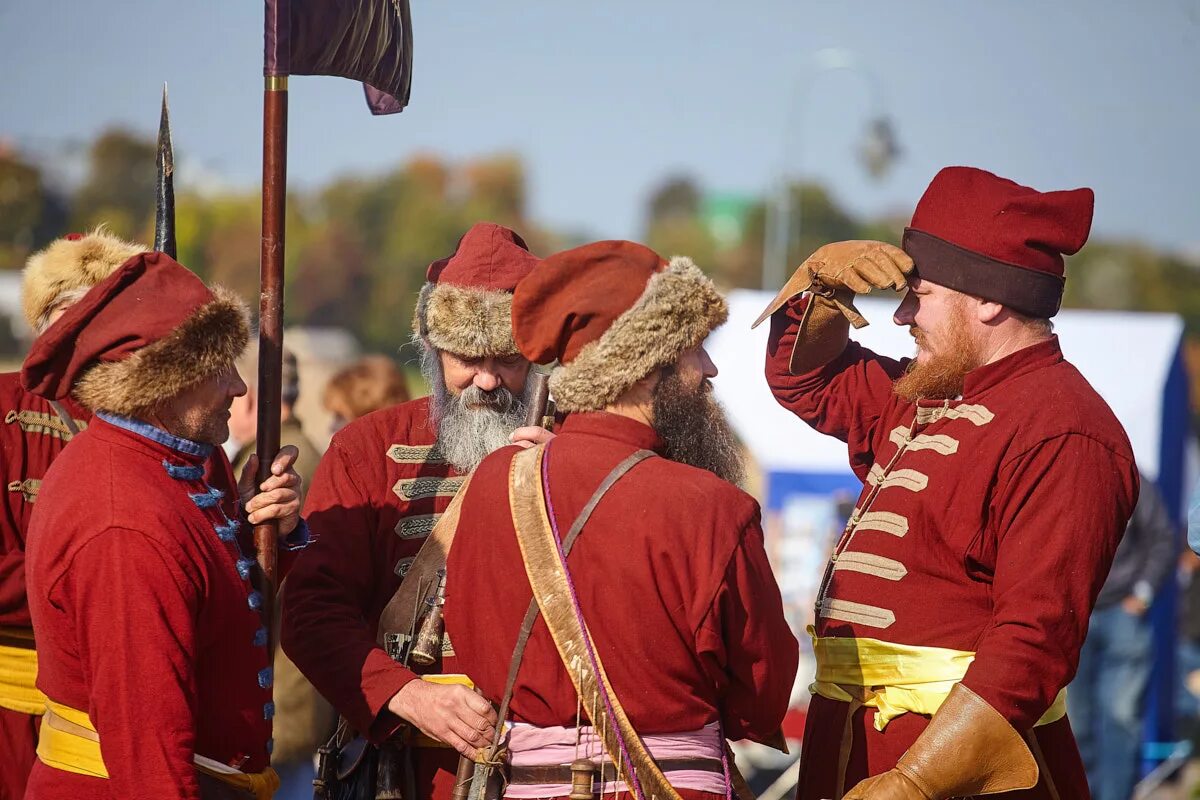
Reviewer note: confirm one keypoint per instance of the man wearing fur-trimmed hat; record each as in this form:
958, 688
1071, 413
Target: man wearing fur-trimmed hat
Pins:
383, 483
668, 574
152, 652
997, 485
34, 431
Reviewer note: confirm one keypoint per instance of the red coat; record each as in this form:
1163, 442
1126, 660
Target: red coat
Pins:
144, 618
671, 576
374, 498
992, 533
31, 436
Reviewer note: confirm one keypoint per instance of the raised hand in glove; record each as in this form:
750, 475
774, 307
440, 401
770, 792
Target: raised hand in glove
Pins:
834, 274
840, 270
968, 749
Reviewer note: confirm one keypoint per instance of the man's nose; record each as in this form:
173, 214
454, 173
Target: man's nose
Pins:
904, 311
486, 380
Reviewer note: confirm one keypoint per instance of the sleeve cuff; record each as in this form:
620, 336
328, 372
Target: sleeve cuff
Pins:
298, 539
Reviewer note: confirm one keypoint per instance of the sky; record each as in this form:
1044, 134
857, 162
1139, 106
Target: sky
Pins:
605, 100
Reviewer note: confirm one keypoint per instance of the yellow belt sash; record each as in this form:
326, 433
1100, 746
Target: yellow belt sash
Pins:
18, 672
895, 679
68, 741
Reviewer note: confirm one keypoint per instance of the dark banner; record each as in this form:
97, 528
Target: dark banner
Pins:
364, 40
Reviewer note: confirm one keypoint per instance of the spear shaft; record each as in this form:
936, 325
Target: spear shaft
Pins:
270, 330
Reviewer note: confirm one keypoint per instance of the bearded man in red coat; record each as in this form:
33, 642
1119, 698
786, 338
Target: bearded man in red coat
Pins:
152, 652
33, 433
669, 569
997, 485
383, 483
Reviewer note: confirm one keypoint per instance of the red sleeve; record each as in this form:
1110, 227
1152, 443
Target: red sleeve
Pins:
747, 644
844, 398
137, 648
329, 591
1060, 511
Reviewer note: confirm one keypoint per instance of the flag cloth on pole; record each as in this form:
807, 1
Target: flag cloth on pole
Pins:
364, 40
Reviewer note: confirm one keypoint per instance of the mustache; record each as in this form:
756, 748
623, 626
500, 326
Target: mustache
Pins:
499, 399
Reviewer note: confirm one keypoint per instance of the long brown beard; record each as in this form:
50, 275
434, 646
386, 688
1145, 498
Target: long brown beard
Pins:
942, 377
695, 429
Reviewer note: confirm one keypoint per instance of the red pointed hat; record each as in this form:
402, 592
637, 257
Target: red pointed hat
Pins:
141, 336
981, 234
611, 313
465, 306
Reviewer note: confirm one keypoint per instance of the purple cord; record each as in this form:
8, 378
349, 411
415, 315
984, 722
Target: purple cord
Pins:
725, 760
633, 779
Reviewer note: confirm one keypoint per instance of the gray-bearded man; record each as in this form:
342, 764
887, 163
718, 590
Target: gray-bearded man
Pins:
380, 488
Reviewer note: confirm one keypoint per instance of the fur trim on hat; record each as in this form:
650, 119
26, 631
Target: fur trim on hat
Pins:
475, 323
205, 343
70, 265
676, 312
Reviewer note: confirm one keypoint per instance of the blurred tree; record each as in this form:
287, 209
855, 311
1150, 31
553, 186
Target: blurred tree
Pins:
119, 189
31, 214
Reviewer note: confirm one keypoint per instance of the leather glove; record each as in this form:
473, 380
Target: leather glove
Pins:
838, 271
968, 749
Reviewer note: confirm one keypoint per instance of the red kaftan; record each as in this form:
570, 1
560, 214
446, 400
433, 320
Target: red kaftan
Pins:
144, 617
993, 530
671, 575
375, 496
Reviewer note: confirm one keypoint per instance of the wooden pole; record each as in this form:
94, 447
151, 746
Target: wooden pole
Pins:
270, 334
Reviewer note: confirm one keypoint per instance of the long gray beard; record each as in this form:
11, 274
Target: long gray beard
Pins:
472, 424
695, 429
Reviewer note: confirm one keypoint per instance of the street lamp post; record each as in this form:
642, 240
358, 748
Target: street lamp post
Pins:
878, 150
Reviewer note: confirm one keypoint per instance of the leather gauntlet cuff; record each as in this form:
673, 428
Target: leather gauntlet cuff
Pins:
968, 749
822, 335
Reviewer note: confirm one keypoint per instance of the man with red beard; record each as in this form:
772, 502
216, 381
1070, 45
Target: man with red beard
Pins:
997, 485
669, 570
377, 493
32, 434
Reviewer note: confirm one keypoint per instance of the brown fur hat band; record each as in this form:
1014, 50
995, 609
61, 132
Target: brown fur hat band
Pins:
611, 313
465, 306
139, 338
70, 266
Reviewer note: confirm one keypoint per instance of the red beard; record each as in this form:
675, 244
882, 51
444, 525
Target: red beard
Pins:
942, 376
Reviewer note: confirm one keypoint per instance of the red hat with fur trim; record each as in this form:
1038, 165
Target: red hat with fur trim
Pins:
611, 313
465, 306
143, 335
985, 235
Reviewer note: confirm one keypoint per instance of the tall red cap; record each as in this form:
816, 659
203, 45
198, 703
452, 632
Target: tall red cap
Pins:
982, 234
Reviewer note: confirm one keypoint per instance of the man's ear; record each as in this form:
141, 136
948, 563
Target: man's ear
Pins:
987, 311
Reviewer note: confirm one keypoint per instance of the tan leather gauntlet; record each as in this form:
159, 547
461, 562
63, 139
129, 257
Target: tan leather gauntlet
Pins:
833, 274
968, 749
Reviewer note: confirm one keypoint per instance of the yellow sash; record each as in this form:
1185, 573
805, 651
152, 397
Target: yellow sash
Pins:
68, 741
895, 679
18, 672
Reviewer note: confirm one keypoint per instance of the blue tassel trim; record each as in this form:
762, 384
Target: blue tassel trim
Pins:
260, 637
255, 600
244, 565
228, 532
270, 746
207, 499
268, 710
183, 472
265, 678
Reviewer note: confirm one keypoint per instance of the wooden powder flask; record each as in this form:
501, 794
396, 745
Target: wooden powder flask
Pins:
427, 648
462, 779
540, 413
582, 772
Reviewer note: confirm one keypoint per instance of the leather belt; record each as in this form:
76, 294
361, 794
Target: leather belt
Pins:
561, 773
